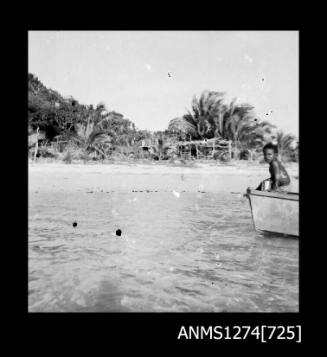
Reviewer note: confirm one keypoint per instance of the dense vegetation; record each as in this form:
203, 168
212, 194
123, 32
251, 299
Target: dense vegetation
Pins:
69, 130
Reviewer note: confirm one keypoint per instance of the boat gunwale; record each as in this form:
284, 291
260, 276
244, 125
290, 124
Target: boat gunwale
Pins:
264, 232
292, 196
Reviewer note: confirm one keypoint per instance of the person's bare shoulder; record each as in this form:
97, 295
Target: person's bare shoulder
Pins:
275, 165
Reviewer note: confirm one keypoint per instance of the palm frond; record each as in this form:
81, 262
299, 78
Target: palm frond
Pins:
214, 101
195, 107
285, 141
203, 102
183, 125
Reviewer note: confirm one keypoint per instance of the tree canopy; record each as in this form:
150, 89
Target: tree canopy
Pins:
97, 128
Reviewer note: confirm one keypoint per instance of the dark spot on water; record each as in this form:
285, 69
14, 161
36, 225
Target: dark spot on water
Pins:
75, 224
118, 232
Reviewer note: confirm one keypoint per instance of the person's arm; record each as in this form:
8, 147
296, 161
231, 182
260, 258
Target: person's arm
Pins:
286, 178
275, 175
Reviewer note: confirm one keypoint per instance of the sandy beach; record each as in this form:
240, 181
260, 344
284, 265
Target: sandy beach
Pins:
209, 177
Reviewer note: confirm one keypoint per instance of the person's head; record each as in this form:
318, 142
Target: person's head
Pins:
270, 152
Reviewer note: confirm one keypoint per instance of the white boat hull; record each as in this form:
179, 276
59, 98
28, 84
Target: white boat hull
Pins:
275, 212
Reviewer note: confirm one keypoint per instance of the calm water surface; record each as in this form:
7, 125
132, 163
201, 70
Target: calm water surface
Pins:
186, 252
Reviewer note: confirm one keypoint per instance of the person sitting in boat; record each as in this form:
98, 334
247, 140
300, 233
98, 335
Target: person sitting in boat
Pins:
279, 179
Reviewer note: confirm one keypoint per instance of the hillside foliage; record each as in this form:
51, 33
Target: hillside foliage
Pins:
65, 125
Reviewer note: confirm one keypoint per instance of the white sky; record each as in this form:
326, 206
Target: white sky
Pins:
128, 70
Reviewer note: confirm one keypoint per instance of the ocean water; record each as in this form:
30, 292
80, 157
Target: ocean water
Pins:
178, 252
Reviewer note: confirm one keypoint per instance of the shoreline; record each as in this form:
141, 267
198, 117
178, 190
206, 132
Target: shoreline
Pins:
293, 167
131, 176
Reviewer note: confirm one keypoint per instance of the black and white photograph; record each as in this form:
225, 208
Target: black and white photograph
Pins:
163, 171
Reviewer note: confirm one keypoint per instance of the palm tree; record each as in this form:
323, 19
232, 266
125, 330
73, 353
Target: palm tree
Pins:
240, 119
91, 137
225, 112
253, 136
120, 130
213, 116
207, 112
204, 118
286, 144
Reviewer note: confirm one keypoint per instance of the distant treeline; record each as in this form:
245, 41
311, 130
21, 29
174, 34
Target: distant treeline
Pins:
66, 128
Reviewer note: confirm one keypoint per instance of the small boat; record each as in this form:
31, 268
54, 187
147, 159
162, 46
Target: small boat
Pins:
276, 212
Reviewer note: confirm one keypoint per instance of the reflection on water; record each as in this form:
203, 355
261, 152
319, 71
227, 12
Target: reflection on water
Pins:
190, 252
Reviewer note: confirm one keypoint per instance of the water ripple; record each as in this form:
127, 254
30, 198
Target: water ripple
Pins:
192, 252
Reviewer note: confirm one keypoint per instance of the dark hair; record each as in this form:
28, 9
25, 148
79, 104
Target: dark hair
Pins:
270, 146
